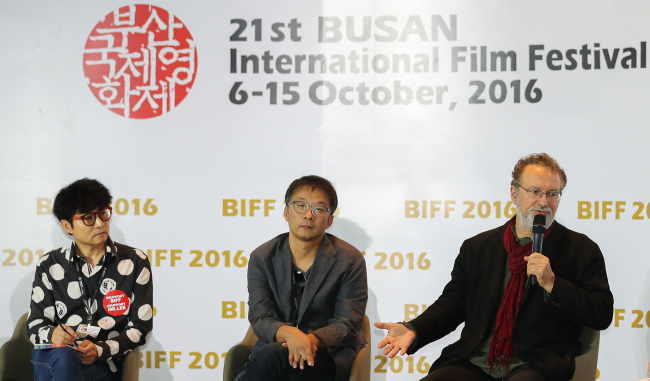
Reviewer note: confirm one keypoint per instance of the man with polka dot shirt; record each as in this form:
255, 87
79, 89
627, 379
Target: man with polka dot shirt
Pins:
307, 294
92, 302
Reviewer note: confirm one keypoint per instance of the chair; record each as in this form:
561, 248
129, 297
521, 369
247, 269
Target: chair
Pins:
15, 357
587, 361
238, 355
131, 366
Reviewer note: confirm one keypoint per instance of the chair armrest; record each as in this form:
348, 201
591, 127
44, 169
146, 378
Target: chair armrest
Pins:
131, 365
235, 361
361, 366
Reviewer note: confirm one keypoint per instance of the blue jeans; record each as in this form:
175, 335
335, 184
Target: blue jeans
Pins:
64, 364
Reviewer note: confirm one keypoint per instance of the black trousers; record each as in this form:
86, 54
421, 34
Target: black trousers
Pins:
464, 370
271, 363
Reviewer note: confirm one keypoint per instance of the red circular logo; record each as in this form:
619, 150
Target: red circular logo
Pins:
140, 61
116, 303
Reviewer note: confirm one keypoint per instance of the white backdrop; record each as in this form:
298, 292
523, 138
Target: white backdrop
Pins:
423, 109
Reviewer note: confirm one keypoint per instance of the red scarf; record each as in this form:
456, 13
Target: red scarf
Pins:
501, 351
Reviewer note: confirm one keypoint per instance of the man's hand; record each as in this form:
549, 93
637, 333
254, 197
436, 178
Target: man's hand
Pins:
540, 266
398, 339
302, 347
317, 341
59, 336
87, 352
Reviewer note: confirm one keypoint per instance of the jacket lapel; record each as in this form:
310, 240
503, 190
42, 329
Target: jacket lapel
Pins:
282, 271
319, 270
497, 271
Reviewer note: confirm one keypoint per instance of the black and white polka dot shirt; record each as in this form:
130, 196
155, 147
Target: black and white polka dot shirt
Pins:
122, 305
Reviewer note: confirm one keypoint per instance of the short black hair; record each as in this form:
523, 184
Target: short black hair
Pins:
82, 196
314, 182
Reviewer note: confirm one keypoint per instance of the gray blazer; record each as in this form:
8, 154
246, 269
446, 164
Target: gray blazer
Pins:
333, 303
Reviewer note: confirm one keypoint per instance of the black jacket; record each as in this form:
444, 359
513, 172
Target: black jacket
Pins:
546, 330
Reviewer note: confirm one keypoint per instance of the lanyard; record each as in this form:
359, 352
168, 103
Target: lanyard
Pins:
86, 301
297, 289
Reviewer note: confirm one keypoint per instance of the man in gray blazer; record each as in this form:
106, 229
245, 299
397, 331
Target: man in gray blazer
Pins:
307, 293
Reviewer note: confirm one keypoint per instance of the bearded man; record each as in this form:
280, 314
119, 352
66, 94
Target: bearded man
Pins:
515, 328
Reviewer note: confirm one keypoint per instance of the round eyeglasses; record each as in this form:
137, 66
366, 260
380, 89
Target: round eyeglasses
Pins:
536, 193
89, 218
302, 207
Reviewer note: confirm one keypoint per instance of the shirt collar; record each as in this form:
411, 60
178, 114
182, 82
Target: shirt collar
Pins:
110, 250
520, 241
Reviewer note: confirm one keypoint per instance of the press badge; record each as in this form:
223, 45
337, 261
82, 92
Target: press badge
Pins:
84, 330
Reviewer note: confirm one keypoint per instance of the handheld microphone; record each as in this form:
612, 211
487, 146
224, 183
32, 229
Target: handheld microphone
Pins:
539, 228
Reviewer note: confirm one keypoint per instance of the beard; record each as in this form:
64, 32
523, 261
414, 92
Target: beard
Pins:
527, 219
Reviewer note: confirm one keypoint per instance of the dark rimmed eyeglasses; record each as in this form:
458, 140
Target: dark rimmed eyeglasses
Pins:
302, 207
89, 218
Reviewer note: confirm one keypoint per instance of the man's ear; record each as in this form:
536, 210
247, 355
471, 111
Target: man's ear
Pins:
513, 194
66, 226
330, 221
286, 214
